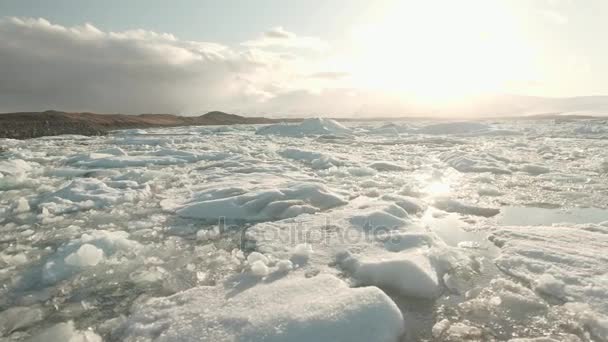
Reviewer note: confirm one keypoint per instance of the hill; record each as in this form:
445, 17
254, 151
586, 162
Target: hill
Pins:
26, 125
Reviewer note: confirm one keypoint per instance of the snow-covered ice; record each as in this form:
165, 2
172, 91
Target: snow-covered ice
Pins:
311, 231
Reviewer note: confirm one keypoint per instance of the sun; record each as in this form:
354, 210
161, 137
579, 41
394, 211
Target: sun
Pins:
437, 51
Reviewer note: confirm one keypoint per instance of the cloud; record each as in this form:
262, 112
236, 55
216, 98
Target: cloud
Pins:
44, 65
278, 37
330, 75
279, 33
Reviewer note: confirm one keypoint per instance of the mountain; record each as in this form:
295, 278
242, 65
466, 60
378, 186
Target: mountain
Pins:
25, 125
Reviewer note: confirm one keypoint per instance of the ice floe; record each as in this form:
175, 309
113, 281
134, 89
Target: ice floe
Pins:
320, 308
261, 205
316, 126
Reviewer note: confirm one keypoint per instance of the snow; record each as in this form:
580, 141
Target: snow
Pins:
315, 126
322, 308
263, 205
454, 128
476, 162
386, 166
310, 231
410, 274
567, 263
315, 160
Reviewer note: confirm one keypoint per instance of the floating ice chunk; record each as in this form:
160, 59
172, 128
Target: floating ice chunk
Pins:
301, 253
403, 241
21, 206
87, 251
454, 206
535, 169
482, 162
378, 219
591, 129
410, 204
454, 128
597, 323
14, 167
562, 338
13, 260
19, 317
315, 126
548, 284
321, 308
207, 234
86, 255
567, 262
284, 265
359, 171
386, 166
256, 256
316, 160
115, 151
488, 190
87, 193
66, 332
259, 268
411, 274
265, 205
14, 173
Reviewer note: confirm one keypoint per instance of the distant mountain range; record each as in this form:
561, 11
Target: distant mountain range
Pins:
25, 125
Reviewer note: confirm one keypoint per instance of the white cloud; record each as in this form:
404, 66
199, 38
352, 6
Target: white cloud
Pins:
44, 65
278, 37
279, 32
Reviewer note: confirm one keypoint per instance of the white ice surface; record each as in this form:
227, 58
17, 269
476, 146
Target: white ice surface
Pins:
316, 126
321, 308
93, 227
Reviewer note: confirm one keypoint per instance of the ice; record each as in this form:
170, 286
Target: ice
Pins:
564, 262
454, 128
251, 227
321, 308
266, 205
535, 169
455, 206
86, 255
476, 163
316, 160
14, 167
66, 332
378, 219
410, 204
19, 317
255, 256
386, 166
316, 126
259, 269
15, 173
411, 274
87, 251
88, 193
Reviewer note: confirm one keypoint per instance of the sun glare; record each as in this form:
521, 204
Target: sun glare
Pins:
438, 53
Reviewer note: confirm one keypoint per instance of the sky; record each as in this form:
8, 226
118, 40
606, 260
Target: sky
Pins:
294, 58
